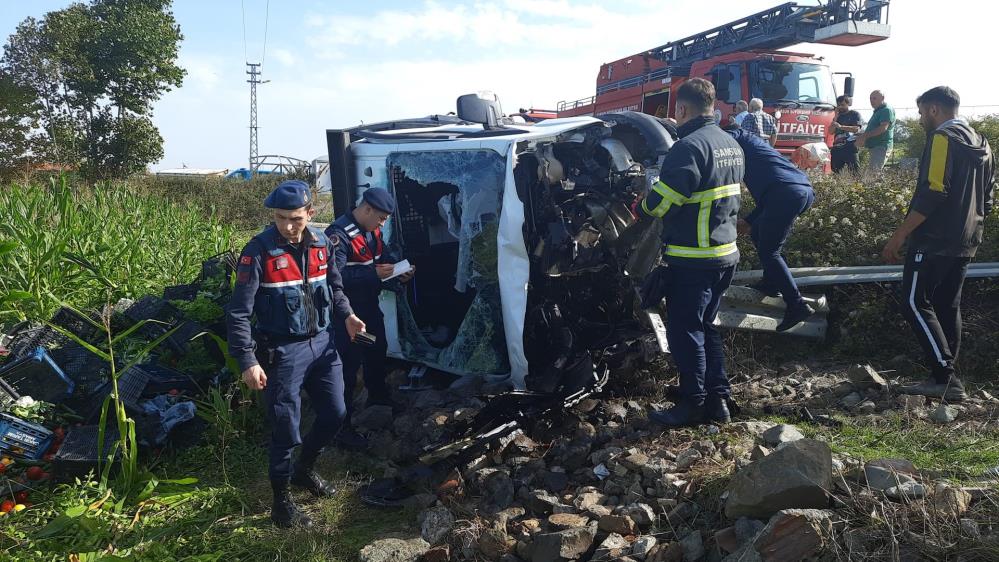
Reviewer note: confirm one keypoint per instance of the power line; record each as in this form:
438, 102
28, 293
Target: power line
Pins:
242, 6
267, 18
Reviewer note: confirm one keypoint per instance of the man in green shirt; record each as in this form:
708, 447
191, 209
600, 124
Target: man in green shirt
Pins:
879, 136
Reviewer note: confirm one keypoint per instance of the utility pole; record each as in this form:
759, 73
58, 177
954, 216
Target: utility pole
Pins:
253, 69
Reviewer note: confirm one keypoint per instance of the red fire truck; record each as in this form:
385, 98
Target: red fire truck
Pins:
743, 60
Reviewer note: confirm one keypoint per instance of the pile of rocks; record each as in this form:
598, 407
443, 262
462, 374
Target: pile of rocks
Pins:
606, 485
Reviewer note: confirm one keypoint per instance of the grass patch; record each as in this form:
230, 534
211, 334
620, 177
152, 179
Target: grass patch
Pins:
226, 517
963, 450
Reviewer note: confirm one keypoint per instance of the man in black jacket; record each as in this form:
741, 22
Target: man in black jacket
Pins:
697, 197
944, 228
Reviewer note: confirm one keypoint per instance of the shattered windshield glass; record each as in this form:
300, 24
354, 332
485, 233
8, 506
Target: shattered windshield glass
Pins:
446, 225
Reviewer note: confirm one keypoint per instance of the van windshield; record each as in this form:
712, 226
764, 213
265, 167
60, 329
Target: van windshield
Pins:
792, 81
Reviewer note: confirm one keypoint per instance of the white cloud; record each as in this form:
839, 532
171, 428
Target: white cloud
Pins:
284, 56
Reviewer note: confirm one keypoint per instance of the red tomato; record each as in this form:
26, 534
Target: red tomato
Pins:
45, 475
6, 506
3, 468
48, 457
34, 473
21, 496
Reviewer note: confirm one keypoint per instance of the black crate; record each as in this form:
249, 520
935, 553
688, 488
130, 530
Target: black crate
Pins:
26, 340
7, 395
79, 452
38, 376
131, 384
181, 292
220, 263
161, 380
78, 325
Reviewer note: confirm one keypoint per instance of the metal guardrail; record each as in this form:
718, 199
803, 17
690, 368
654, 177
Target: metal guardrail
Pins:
815, 276
744, 308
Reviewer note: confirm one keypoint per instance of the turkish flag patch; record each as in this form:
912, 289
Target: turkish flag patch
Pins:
281, 263
245, 260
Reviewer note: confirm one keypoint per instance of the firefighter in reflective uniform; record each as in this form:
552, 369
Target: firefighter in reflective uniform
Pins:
364, 262
286, 281
697, 197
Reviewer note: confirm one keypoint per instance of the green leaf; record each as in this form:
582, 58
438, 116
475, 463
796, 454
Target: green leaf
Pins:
86, 345
76, 511
56, 526
16, 296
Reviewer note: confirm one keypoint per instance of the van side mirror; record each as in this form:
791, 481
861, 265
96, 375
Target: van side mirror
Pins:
848, 86
480, 107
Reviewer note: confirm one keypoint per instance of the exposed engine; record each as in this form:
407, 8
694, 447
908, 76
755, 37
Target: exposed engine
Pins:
588, 247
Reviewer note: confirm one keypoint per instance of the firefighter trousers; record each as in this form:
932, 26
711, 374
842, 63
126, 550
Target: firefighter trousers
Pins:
931, 295
692, 302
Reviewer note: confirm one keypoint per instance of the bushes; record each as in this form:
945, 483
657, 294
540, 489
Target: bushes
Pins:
233, 202
910, 137
87, 246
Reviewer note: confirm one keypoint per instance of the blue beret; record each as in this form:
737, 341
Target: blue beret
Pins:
289, 195
380, 199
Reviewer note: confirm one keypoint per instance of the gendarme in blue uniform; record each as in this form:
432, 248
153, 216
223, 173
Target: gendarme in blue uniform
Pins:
279, 317
357, 253
781, 192
697, 197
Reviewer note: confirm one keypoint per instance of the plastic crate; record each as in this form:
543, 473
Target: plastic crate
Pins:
224, 262
79, 452
180, 340
181, 292
23, 439
25, 341
7, 395
161, 380
76, 324
39, 377
131, 383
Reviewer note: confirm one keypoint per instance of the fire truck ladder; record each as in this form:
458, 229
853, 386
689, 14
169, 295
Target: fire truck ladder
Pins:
835, 22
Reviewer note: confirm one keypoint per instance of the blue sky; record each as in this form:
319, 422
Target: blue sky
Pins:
334, 64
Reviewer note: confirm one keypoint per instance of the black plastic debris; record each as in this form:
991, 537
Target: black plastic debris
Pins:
38, 376
79, 452
131, 384
7, 395
181, 292
162, 380
82, 327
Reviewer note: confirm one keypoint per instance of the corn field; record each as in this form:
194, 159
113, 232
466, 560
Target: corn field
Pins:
89, 246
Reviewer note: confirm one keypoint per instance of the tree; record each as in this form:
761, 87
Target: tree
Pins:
19, 116
95, 70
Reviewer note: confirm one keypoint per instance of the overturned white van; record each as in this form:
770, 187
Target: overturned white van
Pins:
526, 243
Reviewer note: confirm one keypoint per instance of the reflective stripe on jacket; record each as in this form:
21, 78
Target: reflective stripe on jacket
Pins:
697, 196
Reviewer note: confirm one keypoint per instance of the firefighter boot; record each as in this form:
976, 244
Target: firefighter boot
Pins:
716, 409
285, 513
306, 477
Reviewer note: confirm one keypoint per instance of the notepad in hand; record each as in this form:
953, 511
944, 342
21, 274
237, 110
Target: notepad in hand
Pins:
399, 268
